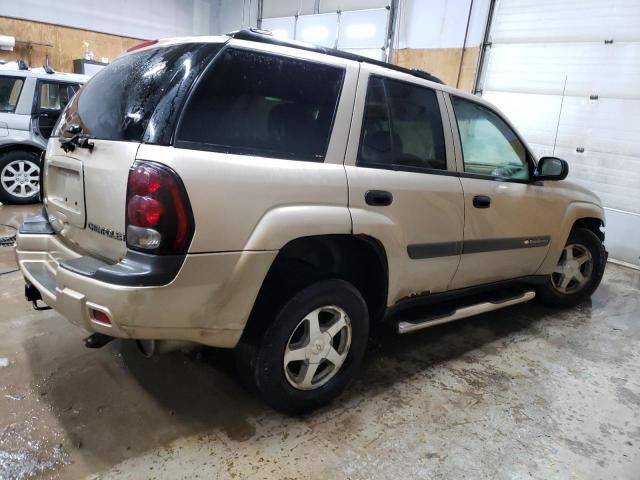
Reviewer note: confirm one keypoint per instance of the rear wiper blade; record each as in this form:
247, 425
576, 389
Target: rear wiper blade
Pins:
76, 140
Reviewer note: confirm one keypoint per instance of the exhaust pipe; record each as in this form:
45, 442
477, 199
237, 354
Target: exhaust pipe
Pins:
149, 348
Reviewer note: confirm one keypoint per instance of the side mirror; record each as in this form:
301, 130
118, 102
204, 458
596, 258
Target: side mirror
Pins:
551, 168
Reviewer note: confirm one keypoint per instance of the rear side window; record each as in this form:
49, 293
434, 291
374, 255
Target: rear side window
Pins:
10, 88
402, 127
260, 104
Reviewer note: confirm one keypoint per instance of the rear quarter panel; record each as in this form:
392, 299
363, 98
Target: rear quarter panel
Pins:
252, 203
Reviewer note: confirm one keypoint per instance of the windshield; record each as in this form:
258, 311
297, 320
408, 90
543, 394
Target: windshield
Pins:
119, 102
10, 88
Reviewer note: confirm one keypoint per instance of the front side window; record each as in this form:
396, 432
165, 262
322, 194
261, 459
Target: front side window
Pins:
261, 104
10, 88
489, 146
402, 127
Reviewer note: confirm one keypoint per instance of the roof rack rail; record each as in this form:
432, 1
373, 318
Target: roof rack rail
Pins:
265, 36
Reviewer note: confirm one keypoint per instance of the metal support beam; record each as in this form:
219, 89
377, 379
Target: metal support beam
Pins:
391, 29
260, 7
483, 49
464, 45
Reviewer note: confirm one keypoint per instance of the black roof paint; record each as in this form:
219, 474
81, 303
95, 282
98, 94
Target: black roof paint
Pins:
264, 36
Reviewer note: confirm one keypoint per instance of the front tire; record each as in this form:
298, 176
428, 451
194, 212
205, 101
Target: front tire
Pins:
311, 350
578, 272
19, 177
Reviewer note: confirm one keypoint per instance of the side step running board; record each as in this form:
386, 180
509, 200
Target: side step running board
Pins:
464, 312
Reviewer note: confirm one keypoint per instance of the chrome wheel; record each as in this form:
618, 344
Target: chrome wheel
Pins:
573, 270
21, 178
317, 348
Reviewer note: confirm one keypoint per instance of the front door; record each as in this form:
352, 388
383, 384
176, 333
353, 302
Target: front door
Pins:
509, 220
403, 187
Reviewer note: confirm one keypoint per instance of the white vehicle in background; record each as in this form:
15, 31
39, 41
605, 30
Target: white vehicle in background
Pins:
31, 101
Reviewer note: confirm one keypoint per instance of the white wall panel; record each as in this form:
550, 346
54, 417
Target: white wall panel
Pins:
440, 23
525, 111
287, 8
363, 29
419, 23
615, 178
282, 28
622, 233
201, 17
523, 21
590, 68
346, 5
230, 15
318, 29
374, 53
140, 18
606, 125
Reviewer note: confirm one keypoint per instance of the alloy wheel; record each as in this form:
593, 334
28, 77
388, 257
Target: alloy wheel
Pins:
573, 270
21, 178
317, 348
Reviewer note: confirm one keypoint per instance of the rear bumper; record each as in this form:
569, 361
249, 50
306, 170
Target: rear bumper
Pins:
204, 298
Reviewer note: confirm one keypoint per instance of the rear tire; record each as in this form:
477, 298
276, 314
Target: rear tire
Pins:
312, 349
19, 177
578, 272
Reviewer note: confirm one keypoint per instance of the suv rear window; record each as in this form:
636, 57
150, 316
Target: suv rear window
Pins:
254, 103
10, 88
118, 103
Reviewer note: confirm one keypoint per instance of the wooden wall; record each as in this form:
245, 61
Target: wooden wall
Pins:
66, 43
442, 62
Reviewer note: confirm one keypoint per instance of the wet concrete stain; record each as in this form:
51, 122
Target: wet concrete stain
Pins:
527, 392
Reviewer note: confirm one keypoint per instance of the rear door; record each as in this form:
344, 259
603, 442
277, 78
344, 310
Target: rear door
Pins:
403, 186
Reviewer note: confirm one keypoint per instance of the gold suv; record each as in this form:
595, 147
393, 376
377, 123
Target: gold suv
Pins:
279, 199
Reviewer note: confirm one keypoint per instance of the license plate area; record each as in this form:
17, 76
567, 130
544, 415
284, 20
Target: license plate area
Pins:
64, 189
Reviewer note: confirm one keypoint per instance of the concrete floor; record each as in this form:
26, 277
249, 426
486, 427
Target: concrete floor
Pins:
522, 393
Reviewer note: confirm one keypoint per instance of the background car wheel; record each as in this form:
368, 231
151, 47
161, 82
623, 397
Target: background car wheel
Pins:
311, 350
19, 177
578, 272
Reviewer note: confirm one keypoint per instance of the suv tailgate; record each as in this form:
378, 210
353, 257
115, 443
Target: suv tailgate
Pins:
134, 100
85, 193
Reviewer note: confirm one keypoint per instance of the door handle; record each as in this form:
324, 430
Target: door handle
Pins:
481, 201
378, 198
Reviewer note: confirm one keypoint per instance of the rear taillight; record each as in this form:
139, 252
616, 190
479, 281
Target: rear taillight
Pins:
159, 218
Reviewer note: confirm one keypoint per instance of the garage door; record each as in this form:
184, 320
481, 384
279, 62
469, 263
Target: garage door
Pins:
567, 73
364, 32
